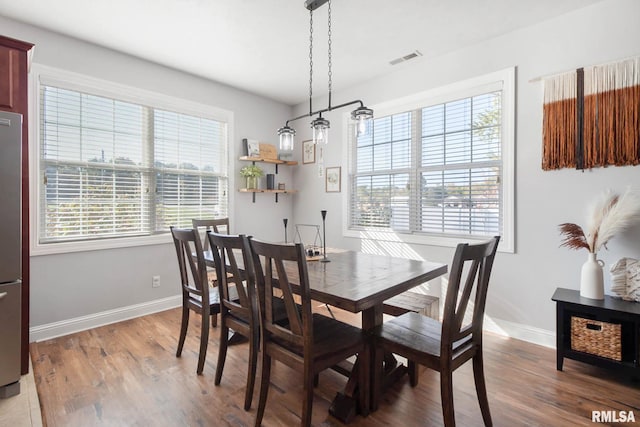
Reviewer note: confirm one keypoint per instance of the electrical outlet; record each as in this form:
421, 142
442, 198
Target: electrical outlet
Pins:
155, 282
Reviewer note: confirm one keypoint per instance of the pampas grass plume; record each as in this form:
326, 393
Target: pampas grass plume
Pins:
609, 214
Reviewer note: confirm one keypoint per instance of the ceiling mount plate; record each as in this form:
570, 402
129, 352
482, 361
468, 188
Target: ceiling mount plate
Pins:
314, 4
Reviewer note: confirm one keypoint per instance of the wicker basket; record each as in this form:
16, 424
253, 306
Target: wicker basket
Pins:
594, 337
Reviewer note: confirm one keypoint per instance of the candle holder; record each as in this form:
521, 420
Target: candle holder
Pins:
324, 238
285, 221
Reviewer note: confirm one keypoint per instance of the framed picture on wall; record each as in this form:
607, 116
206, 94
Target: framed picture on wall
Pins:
308, 152
253, 148
332, 179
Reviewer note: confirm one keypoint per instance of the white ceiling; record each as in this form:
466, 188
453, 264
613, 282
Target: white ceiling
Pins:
262, 45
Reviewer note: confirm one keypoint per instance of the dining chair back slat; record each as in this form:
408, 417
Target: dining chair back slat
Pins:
237, 293
187, 244
278, 285
471, 267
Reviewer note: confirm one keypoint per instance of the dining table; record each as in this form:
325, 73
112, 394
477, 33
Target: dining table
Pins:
360, 282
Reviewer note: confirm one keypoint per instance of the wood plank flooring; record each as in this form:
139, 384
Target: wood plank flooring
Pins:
126, 374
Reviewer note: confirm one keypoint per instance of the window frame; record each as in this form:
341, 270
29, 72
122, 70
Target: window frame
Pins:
502, 79
43, 75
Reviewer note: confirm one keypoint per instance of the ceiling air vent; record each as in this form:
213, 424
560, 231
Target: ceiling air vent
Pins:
404, 58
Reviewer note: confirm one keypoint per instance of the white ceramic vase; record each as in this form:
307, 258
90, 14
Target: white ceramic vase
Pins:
592, 279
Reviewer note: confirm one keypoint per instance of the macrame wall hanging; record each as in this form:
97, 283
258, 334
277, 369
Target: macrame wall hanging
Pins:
591, 117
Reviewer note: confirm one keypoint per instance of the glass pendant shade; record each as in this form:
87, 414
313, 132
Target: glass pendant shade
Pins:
320, 130
363, 117
286, 138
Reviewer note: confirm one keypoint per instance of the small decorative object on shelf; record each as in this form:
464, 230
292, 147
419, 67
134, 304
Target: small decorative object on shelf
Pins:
324, 238
625, 279
611, 214
252, 147
268, 151
251, 173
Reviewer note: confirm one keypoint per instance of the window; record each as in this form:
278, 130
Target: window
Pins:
437, 168
110, 167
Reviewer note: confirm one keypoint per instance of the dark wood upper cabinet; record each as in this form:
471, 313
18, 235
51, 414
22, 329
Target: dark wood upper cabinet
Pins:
14, 69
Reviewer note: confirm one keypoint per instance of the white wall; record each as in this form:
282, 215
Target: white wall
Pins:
524, 282
69, 286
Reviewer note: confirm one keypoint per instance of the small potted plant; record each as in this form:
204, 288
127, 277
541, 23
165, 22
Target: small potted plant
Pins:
251, 173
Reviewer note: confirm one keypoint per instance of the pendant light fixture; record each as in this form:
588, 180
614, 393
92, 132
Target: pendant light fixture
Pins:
320, 125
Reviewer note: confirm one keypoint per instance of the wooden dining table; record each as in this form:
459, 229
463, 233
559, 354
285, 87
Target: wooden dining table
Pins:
360, 283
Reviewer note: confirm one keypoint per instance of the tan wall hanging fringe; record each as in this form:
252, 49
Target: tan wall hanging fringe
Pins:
591, 117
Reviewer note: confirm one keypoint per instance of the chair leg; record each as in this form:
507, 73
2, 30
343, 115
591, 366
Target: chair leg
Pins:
204, 342
183, 330
214, 319
307, 403
413, 373
446, 394
481, 389
264, 387
253, 365
222, 352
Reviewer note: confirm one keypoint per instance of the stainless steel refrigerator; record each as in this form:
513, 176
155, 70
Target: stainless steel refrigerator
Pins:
10, 252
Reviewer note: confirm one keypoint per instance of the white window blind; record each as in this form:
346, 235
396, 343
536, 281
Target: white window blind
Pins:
460, 167
111, 168
433, 170
190, 169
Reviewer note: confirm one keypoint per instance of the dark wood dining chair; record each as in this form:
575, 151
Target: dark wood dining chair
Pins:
238, 301
197, 295
308, 342
445, 346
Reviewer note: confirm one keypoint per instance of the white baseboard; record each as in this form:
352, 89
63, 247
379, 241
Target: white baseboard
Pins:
520, 331
69, 326
65, 327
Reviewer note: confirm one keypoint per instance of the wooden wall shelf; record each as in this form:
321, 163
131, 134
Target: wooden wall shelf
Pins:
275, 162
261, 190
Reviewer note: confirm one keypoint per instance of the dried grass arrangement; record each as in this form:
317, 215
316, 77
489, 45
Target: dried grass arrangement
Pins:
609, 215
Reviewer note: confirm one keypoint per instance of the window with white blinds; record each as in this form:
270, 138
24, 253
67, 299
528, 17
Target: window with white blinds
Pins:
435, 168
112, 168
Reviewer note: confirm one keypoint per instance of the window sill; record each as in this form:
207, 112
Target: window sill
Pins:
505, 246
38, 249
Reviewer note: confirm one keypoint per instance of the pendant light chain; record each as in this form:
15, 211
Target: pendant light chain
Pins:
320, 125
310, 59
329, 50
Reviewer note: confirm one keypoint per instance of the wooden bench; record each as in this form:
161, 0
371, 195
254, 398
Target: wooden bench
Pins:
426, 305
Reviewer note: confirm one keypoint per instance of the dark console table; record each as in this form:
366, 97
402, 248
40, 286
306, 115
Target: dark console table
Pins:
611, 310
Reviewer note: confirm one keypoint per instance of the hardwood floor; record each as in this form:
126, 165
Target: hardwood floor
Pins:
127, 374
